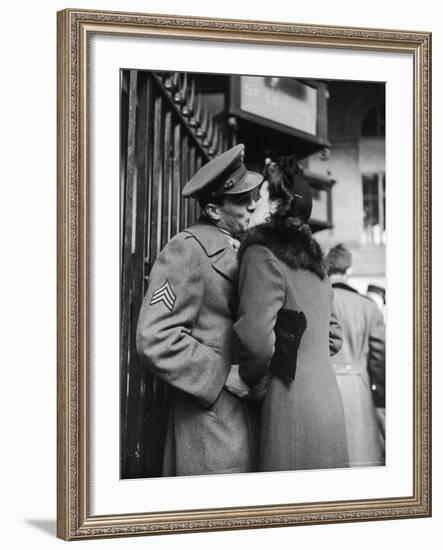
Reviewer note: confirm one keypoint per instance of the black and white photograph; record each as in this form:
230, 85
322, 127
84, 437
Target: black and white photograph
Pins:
252, 273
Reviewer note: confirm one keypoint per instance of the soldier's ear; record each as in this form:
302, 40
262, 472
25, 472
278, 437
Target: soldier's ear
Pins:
212, 211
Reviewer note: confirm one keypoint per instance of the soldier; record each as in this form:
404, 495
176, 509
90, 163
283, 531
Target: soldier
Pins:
185, 327
360, 364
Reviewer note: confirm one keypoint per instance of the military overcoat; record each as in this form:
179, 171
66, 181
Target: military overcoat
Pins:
302, 422
185, 336
360, 365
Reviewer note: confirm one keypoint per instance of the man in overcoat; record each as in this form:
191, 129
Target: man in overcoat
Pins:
360, 364
185, 327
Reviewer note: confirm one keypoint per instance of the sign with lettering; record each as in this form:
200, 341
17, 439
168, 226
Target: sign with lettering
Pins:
282, 100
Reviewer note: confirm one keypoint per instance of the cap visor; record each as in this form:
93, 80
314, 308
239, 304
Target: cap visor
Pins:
250, 182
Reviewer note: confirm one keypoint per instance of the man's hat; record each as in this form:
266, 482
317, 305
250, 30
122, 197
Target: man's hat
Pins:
339, 258
375, 289
225, 174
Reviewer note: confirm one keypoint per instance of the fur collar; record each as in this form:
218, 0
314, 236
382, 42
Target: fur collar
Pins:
294, 246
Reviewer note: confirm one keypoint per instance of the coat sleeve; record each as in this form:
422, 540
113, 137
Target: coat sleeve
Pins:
335, 330
376, 357
164, 332
261, 295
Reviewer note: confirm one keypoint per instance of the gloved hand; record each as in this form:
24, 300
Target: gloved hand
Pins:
258, 391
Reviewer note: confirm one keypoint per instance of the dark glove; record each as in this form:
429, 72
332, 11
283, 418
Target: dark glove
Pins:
258, 391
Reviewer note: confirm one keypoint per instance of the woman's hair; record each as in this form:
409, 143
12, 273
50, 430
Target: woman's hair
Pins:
286, 231
288, 187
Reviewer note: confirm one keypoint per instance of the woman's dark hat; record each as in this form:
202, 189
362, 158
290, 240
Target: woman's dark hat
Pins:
303, 197
296, 185
226, 175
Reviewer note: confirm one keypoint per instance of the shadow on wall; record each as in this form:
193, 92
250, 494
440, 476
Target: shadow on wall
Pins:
48, 526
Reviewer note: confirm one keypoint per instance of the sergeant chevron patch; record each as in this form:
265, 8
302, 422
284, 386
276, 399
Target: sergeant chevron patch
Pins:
164, 294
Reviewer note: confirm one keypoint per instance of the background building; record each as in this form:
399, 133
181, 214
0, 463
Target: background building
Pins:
356, 161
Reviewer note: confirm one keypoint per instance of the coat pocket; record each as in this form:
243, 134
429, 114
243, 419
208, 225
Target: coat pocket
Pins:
225, 407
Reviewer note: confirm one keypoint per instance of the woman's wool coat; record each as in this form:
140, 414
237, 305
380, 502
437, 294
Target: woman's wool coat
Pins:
302, 423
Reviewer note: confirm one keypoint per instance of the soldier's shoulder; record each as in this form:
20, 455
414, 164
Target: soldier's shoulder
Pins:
343, 289
366, 302
181, 237
352, 295
183, 243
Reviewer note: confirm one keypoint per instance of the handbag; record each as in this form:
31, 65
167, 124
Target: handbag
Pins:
289, 328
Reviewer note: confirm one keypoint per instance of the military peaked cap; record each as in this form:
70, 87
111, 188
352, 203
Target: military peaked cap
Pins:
225, 174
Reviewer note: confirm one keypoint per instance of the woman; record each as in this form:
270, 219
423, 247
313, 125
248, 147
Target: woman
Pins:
283, 279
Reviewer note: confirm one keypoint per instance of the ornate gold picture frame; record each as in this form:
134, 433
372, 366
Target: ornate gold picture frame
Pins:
75, 516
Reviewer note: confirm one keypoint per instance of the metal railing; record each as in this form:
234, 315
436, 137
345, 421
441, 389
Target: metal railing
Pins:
167, 134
